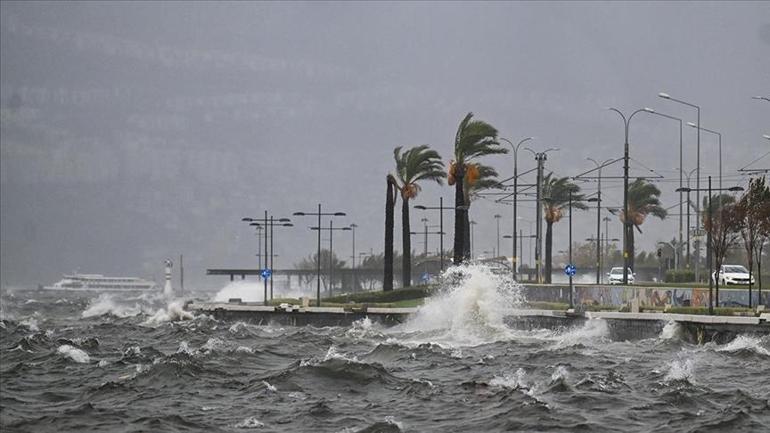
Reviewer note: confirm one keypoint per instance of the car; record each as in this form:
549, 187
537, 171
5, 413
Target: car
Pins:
615, 276
733, 274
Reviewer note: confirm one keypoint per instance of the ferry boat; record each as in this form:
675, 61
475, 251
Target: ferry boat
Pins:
100, 283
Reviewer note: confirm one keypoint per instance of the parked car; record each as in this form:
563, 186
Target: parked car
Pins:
615, 276
732, 274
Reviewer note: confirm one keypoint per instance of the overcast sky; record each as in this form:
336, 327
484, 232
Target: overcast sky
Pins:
132, 132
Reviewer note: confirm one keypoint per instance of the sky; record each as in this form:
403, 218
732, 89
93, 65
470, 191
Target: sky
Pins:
135, 132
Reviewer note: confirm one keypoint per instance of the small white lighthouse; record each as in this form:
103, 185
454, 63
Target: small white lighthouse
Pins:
168, 291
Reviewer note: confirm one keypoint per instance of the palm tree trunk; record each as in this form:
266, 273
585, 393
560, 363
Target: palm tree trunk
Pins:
548, 250
406, 267
390, 204
461, 216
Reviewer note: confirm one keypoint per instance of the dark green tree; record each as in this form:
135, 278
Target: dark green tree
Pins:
474, 139
555, 199
643, 200
413, 166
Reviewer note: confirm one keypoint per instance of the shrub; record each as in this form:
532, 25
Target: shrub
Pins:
679, 276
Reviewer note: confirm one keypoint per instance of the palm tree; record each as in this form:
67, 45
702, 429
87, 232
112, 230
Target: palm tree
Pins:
412, 166
556, 198
479, 178
390, 204
474, 138
642, 201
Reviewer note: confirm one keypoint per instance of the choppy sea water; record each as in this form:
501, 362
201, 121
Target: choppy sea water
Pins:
79, 363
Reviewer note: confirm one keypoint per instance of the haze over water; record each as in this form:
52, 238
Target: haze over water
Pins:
79, 363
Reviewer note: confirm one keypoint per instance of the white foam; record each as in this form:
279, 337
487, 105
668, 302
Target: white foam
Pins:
247, 291
559, 373
250, 422
670, 331
31, 324
269, 387
680, 370
471, 311
173, 312
244, 349
514, 381
106, 304
73, 353
745, 342
593, 331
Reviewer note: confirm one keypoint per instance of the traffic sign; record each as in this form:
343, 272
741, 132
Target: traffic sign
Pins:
266, 273
570, 270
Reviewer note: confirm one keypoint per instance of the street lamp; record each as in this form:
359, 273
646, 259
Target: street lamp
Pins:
318, 264
761, 98
708, 233
515, 194
540, 158
688, 175
497, 218
720, 146
627, 226
353, 229
331, 230
651, 111
472, 223
598, 200
283, 222
441, 208
697, 176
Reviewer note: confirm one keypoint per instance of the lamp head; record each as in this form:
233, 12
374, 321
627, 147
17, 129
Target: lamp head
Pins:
284, 220
683, 189
419, 206
664, 95
649, 110
692, 124
735, 188
299, 214
247, 219
339, 214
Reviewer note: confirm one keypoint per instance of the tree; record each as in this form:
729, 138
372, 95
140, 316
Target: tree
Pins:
412, 166
311, 263
749, 209
390, 204
474, 139
642, 201
722, 220
556, 198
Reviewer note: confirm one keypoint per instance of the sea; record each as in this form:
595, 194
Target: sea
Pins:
74, 362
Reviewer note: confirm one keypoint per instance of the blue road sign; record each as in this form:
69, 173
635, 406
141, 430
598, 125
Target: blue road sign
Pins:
570, 270
425, 277
266, 273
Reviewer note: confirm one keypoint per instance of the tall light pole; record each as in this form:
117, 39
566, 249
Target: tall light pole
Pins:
697, 176
353, 229
651, 111
627, 225
598, 200
280, 222
540, 158
515, 195
472, 223
331, 230
497, 218
318, 261
688, 214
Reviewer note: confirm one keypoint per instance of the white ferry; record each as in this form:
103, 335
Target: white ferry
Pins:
100, 283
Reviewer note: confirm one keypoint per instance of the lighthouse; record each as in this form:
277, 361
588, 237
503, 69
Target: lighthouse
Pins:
168, 291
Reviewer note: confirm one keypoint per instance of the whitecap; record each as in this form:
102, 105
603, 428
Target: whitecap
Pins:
680, 370
73, 353
250, 422
745, 342
670, 331
515, 381
269, 387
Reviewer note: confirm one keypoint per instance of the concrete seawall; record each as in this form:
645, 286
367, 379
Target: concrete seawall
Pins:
622, 326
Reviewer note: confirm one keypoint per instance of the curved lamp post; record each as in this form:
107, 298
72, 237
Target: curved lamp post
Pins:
515, 195
318, 264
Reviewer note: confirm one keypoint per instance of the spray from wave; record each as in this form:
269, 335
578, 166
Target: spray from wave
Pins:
247, 291
469, 309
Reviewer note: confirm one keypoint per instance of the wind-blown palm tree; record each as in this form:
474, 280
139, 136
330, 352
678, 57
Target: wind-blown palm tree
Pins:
485, 178
642, 201
390, 204
474, 139
412, 166
556, 198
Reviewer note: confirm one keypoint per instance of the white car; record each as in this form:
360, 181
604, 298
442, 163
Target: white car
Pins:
615, 276
733, 274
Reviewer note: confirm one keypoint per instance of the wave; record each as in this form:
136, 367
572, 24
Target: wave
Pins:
106, 304
680, 370
74, 354
248, 423
173, 312
469, 310
745, 344
247, 291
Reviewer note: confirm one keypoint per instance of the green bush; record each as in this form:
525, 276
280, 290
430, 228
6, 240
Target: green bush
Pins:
679, 276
